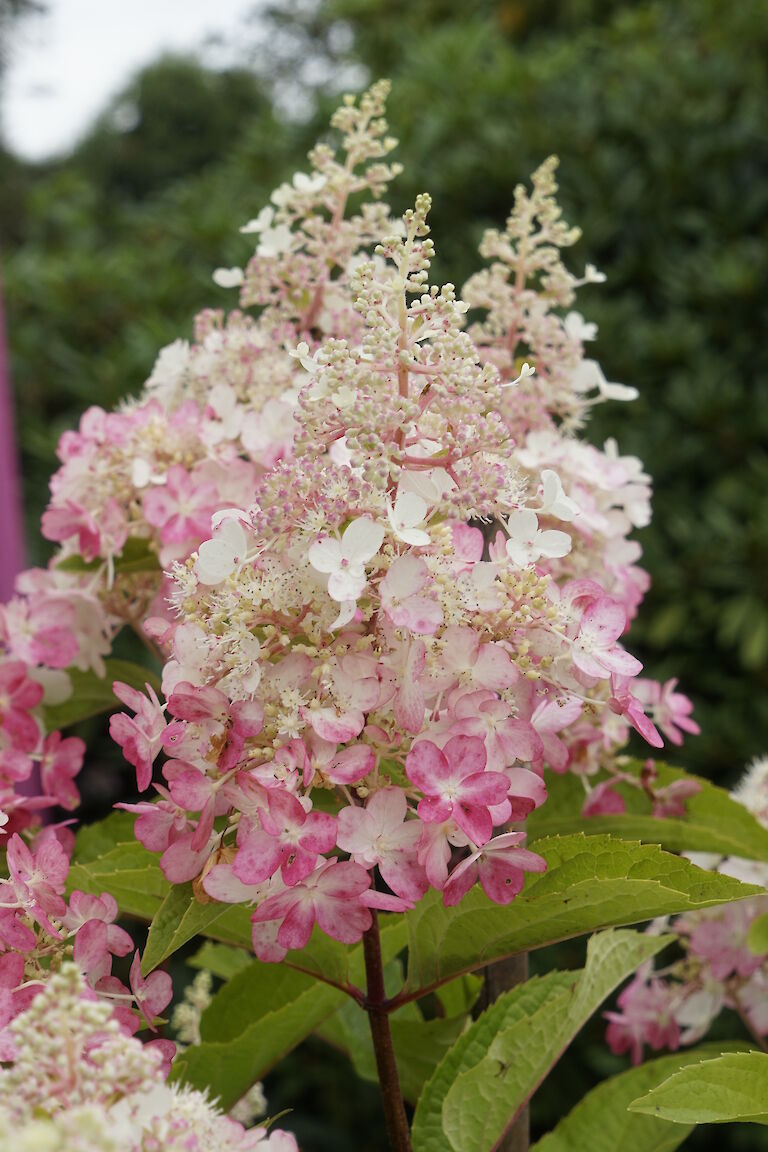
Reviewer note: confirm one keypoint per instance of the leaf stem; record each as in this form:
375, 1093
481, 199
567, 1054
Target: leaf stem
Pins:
377, 1009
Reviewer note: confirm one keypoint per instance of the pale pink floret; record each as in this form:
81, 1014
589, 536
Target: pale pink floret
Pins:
623, 703
180, 509
290, 839
37, 880
500, 865
60, 762
455, 784
139, 736
402, 599
40, 631
645, 1016
466, 660
506, 738
379, 835
671, 710
18, 694
549, 718
328, 897
595, 651
153, 993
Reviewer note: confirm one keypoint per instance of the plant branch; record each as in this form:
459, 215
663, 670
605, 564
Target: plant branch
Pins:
377, 1009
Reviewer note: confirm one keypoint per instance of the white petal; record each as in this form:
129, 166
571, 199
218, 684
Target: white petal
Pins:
347, 610
362, 540
410, 509
553, 543
215, 561
262, 221
228, 514
325, 555
416, 537
522, 524
618, 391
141, 473
228, 277
554, 501
346, 583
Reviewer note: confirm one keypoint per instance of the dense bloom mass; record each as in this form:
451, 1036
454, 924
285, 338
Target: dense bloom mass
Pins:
416, 604
389, 588
73, 1082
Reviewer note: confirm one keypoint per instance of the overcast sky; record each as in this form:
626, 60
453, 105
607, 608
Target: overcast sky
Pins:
66, 64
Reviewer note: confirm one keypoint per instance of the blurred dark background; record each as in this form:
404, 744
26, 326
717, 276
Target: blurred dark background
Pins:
658, 113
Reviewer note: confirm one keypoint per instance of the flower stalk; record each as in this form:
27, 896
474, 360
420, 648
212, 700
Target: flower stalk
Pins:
378, 1016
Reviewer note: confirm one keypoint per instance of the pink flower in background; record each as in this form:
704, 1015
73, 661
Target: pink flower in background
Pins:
61, 761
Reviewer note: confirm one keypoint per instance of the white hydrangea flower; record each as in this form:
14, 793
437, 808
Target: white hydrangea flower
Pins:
527, 543
261, 222
554, 501
228, 277
577, 328
275, 240
218, 557
408, 513
344, 560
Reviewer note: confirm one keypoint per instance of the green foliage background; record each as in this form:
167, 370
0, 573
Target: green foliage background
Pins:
657, 111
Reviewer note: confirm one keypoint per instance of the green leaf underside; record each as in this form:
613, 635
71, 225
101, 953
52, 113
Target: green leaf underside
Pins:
728, 1088
713, 821
600, 1121
475, 1095
591, 882
92, 694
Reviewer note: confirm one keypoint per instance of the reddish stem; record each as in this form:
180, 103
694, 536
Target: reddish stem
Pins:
376, 1007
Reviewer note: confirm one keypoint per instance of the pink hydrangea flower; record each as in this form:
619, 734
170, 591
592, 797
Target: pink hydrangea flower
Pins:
328, 897
454, 783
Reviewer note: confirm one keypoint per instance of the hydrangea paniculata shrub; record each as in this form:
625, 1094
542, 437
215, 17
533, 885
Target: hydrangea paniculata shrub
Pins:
388, 587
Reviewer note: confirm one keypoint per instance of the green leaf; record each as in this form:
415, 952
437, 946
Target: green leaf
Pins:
136, 556
484, 1098
730, 1087
179, 918
713, 820
92, 694
129, 873
757, 937
94, 840
222, 960
459, 996
261, 1014
427, 1132
591, 882
600, 1121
